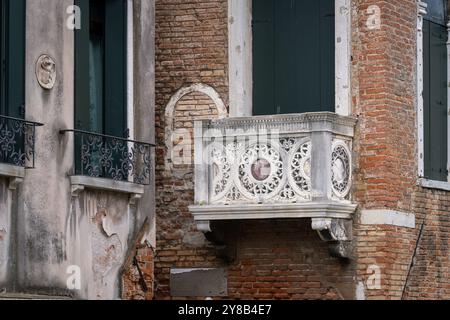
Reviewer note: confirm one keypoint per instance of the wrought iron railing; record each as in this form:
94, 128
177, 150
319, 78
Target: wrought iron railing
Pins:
17, 141
104, 156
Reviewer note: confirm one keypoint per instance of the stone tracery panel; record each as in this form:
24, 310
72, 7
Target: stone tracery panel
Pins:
340, 169
273, 171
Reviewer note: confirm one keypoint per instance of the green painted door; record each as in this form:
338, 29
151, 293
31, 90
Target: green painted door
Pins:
293, 56
435, 100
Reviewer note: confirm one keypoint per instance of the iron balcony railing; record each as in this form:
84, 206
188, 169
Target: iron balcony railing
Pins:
105, 156
17, 141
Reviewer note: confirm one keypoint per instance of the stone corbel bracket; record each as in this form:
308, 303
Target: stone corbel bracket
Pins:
337, 233
76, 190
15, 174
14, 182
80, 183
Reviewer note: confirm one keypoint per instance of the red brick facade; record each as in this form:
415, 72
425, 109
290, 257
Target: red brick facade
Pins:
285, 259
191, 47
138, 278
384, 97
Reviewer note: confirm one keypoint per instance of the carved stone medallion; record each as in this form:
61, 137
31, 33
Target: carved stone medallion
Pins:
46, 71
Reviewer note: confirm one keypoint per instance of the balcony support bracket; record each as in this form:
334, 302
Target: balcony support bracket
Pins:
337, 233
77, 189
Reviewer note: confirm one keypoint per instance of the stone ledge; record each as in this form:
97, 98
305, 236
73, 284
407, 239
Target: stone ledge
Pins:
24, 296
10, 171
273, 211
388, 217
79, 183
434, 184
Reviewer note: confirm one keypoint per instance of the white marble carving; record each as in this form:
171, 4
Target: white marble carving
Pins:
340, 169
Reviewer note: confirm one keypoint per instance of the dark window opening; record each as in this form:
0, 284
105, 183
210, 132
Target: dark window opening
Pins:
435, 91
100, 67
14, 149
293, 56
100, 84
12, 55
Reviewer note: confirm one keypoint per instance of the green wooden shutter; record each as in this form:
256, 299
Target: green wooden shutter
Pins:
435, 101
293, 56
263, 57
327, 55
82, 97
2, 59
15, 61
115, 67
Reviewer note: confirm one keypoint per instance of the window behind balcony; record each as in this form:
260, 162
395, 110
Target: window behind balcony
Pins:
12, 39
435, 90
100, 83
100, 67
293, 56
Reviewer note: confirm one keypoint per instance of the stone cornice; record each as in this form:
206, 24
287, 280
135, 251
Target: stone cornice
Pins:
288, 123
285, 118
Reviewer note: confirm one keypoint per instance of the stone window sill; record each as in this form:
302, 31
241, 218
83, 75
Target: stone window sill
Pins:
80, 183
15, 174
434, 184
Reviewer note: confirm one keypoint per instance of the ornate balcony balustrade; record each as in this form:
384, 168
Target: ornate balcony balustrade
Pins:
283, 166
119, 159
17, 142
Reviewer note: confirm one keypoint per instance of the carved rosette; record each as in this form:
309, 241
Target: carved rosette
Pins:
274, 171
341, 169
261, 171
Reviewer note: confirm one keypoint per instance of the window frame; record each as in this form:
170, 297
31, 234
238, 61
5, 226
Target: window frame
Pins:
423, 181
128, 73
128, 97
6, 81
241, 66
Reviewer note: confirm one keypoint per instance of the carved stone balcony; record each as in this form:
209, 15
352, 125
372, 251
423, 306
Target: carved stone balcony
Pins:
273, 167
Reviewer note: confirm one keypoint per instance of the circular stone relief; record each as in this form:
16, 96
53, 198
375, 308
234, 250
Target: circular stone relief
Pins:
261, 169
46, 71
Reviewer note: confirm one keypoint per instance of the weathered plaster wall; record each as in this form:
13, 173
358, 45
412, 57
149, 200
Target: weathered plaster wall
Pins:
53, 228
98, 232
44, 196
5, 230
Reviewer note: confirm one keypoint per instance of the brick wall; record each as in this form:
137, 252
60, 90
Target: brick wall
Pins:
191, 47
286, 259
429, 273
384, 97
138, 278
273, 259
